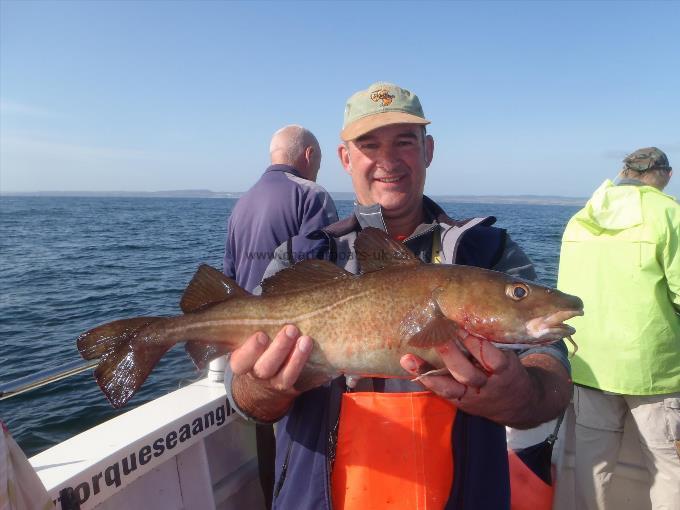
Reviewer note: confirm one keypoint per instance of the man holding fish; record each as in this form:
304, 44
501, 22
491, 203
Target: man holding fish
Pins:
385, 443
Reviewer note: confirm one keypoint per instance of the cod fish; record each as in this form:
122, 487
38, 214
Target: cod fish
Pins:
361, 325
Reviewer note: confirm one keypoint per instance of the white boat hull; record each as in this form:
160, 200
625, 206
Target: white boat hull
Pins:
185, 450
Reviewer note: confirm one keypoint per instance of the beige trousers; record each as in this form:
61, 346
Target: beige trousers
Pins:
600, 417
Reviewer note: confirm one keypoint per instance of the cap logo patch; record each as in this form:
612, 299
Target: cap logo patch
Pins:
382, 95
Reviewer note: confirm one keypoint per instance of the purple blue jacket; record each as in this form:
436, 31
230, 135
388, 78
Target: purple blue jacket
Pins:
280, 205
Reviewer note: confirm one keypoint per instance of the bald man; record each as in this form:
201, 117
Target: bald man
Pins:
284, 202
297, 147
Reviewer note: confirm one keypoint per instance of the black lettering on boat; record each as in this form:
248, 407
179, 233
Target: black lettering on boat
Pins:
68, 498
158, 447
171, 440
95, 482
184, 433
83, 492
112, 475
209, 419
144, 455
129, 467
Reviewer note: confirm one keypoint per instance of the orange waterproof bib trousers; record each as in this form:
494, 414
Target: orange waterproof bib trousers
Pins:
527, 490
393, 451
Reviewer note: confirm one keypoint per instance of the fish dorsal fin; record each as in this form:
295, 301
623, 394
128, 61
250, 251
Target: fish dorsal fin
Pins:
376, 250
304, 275
208, 286
426, 326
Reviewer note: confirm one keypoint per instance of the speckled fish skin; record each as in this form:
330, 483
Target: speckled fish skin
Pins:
361, 325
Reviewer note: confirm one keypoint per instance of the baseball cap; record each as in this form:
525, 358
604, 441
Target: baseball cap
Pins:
380, 105
648, 158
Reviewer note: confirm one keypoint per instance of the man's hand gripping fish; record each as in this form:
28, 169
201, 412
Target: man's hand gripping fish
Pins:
361, 325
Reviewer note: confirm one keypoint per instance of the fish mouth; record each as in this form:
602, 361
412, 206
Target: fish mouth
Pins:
551, 328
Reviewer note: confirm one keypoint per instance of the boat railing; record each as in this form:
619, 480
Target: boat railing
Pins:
54, 374
43, 377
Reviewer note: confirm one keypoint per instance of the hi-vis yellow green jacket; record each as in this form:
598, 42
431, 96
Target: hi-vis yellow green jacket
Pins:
621, 255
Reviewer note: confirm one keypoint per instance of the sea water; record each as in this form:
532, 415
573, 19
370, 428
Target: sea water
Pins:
68, 264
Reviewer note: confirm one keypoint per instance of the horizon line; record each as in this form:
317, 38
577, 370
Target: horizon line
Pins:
239, 193
526, 199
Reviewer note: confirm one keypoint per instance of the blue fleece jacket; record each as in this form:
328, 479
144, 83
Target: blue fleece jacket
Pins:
279, 206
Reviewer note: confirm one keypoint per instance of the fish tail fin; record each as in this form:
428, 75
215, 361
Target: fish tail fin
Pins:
105, 338
122, 368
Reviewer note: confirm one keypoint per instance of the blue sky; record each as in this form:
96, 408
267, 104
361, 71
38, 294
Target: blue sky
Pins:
524, 97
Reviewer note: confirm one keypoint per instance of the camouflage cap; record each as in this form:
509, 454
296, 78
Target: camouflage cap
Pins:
380, 105
649, 158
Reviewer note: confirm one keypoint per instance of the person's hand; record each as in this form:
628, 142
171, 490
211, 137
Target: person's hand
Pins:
277, 363
486, 381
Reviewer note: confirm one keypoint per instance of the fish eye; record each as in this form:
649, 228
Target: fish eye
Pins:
517, 291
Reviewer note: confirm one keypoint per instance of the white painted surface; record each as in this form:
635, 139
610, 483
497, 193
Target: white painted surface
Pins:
188, 450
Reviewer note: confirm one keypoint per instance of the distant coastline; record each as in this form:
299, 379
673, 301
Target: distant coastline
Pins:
512, 199
340, 195
182, 193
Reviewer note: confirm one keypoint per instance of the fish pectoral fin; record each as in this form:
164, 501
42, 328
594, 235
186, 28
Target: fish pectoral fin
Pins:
202, 353
304, 275
376, 250
207, 287
438, 331
426, 326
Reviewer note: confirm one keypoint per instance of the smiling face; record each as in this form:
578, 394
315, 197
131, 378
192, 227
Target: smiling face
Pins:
388, 167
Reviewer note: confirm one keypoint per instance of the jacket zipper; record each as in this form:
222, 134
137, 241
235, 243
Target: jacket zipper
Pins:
284, 469
284, 466
330, 459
